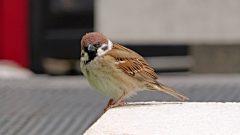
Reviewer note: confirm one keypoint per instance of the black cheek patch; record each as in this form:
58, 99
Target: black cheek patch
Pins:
105, 48
91, 55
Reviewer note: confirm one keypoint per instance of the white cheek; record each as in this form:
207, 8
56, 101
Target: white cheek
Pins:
101, 52
85, 56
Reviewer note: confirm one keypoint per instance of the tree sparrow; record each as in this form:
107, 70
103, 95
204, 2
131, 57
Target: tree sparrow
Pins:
116, 71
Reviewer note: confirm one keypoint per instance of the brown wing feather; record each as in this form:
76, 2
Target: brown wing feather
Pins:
133, 64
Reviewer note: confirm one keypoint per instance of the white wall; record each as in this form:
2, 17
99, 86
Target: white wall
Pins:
169, 21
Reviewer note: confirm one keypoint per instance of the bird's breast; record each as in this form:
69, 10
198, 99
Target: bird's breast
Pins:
100, 75
104, 76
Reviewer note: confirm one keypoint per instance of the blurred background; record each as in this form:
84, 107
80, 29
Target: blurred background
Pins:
194, 46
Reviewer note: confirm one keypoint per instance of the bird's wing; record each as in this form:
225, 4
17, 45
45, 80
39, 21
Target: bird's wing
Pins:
133, 64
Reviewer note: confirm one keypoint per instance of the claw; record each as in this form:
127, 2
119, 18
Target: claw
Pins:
111, 105
114, 105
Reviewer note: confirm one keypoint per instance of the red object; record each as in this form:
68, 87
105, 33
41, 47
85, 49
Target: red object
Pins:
14, 31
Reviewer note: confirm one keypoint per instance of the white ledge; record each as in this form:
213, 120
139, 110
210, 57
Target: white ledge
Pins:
170, 118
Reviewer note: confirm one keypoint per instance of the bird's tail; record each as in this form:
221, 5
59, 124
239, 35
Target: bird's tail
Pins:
172, 92
168, 90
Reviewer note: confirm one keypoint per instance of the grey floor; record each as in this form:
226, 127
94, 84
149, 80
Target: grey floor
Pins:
44, 105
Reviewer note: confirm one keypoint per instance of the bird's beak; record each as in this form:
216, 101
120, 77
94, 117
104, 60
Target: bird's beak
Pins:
91, 48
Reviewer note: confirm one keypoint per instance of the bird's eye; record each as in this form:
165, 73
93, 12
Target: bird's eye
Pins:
98, 44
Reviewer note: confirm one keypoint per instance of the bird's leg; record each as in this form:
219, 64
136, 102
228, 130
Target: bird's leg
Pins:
119, 102
110, 102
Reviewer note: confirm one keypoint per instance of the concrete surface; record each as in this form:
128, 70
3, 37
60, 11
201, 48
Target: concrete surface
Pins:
168, 21
150, 118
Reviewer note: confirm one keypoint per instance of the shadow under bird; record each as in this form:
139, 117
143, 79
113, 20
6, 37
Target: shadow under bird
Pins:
116, 71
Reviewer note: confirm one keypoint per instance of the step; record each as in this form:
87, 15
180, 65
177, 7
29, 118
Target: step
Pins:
170, 118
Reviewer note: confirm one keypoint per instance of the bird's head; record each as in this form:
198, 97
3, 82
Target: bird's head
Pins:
93, 45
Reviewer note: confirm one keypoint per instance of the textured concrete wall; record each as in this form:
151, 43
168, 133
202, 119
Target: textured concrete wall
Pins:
169, 21
216, 59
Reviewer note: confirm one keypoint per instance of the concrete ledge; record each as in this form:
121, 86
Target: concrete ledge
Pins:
170, 118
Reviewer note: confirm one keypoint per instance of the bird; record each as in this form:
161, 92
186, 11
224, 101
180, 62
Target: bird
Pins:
116, 71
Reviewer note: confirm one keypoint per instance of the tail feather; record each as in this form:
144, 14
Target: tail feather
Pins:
169, 91
174, 93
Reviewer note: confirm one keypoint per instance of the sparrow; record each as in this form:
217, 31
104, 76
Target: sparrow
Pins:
116, 71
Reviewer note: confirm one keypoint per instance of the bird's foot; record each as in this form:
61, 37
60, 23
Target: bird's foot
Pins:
114, 105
